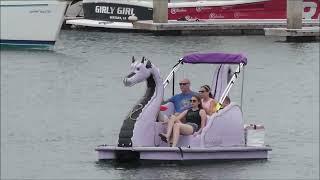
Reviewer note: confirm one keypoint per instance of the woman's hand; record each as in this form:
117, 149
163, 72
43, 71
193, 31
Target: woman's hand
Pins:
164, 122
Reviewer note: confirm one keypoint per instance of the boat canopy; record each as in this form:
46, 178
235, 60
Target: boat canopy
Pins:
214, 58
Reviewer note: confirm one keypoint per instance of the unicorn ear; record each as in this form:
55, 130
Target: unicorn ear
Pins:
133, 59
142, 61
149, 65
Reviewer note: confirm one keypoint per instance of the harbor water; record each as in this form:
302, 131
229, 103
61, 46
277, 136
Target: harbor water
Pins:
57, 106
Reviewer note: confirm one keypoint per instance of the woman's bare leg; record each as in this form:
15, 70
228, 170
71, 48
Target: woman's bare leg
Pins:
178, 129
169, 127
170, 141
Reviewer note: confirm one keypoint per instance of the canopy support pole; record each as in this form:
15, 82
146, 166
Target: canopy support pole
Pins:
242, 88
173, 83
230, 84
171, 74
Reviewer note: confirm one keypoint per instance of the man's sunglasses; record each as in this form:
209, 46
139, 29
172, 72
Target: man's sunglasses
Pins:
183, 84
193, 100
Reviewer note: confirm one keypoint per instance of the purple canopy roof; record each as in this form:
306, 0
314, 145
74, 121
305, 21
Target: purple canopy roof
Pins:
215, 58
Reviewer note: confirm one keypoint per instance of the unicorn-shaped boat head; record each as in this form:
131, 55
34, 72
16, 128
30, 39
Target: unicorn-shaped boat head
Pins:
138, 127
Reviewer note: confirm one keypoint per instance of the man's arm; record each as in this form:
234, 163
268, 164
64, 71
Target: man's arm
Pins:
168, 100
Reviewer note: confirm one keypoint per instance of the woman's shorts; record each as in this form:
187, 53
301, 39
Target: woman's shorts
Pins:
194, 126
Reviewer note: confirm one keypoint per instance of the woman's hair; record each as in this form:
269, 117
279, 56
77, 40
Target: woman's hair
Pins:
208, 89
199, 100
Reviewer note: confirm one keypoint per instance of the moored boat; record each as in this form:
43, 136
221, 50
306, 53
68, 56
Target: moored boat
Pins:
31, 23
109, 11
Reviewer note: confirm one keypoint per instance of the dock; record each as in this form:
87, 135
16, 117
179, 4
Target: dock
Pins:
295, 31
294, 27
292, 35
217, 27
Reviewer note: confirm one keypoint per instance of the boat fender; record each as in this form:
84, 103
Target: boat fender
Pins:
163, 108
181, 152
133, 17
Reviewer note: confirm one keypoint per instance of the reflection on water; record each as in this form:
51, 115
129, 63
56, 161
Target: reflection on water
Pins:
179, 169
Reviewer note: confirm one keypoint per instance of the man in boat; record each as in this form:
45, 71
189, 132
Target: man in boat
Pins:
226, 102
181, 101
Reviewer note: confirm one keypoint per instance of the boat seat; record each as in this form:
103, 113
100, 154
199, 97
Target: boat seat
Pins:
224, 128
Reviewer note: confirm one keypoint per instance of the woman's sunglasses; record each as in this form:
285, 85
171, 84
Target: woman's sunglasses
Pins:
193, 100
202, 91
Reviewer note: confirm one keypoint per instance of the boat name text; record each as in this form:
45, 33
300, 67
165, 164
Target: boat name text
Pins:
40, 11
112, 10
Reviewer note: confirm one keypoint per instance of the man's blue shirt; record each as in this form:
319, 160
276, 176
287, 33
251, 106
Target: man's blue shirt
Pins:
182, 101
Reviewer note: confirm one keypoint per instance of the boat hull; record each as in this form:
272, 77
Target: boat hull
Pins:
31, 22
182, 154
249, 9
101, 24
257, 9
98, 13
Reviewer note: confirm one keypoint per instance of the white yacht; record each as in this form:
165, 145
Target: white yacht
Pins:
31, 22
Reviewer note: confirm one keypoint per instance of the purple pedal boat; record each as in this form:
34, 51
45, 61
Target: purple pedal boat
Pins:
223, 138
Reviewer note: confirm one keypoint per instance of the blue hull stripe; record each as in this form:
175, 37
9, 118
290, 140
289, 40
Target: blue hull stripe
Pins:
23, 5
25, 42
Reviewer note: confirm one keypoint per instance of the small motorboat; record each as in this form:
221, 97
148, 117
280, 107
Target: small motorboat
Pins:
120, 14
225, 136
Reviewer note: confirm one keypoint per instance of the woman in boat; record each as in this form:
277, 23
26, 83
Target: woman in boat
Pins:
189, 122
207, 101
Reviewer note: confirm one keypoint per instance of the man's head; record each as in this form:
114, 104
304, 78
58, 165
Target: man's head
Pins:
184, 85
226, 101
